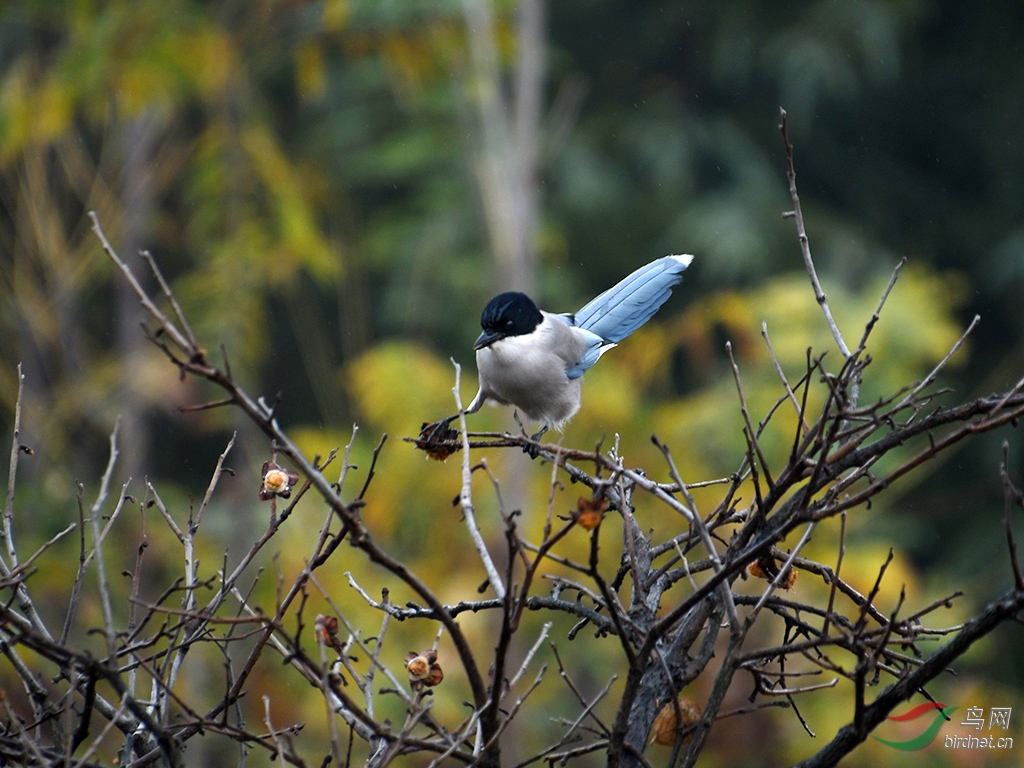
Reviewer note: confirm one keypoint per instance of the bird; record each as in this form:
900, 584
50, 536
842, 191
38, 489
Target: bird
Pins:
535, 360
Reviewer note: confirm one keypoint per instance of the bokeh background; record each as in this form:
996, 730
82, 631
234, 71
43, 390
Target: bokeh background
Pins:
334, 190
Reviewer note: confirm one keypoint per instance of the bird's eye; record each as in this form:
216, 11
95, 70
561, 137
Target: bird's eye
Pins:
509, 323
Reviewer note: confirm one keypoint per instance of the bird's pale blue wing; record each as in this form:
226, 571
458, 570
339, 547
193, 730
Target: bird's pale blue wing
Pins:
596, 346
626, 306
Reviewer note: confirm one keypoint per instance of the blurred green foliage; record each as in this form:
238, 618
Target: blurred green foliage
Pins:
307, 185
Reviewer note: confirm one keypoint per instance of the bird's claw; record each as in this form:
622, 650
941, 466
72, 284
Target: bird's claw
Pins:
438, 439
531, 449
432, 432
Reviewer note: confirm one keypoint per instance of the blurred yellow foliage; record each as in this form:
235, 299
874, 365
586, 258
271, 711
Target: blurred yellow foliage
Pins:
397, 383
298, 238
336, 13
35, 113
310, 77
210, 59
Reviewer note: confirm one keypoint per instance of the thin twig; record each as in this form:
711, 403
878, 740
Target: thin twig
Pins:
870, 325
530, 654
805, 246
97, 531
835, 575
709, 545
1012, 496
782, 375
169, 295
751, 433
781, 574
168, 327
466, 497
218, 470
927, 380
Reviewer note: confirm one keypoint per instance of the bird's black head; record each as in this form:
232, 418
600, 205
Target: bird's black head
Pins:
507, 314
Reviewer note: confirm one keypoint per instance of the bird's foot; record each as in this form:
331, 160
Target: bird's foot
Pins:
534, 450
530, 449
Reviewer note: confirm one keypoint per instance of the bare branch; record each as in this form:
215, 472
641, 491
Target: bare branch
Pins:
878, 310
1012, 497
805, 246
930, 378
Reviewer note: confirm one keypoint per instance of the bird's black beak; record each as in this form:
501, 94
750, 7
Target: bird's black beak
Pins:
487, 338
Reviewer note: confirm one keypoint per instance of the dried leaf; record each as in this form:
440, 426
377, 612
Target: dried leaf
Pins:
667, 723
788, 579
766, 568
590, 512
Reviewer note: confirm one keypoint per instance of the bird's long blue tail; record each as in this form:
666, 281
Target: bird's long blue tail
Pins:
630, 303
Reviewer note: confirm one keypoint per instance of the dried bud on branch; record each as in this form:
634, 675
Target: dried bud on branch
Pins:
327, 631
277, 481
423, 668
439, 440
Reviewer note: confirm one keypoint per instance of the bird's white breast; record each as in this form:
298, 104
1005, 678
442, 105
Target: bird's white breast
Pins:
529, 371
